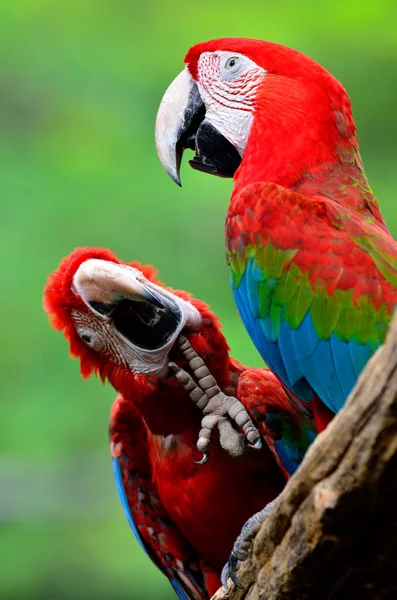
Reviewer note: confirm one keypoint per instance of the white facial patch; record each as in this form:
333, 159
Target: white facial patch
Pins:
94, 331
101, 283
100, 334
228, 83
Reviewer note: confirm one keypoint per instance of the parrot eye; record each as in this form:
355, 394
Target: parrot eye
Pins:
234, 66
90, 339
231, 64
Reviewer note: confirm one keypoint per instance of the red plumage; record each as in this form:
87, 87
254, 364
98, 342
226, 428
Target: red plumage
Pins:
312, 262
200, 509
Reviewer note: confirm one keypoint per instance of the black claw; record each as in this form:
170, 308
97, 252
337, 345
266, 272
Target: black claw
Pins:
257, 445
205, 458
225, 575
233, 560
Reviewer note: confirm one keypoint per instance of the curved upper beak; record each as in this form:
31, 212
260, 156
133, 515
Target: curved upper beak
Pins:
179, 115
102, 284
181, 123
143, 319
144, 315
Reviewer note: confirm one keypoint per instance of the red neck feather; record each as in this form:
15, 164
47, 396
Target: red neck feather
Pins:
298, 127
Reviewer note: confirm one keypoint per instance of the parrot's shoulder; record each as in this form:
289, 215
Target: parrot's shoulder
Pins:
149, 521
334, 245
261, 199
315, 283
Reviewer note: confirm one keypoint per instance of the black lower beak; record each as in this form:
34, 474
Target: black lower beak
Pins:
144, 324
214, 154
181, 123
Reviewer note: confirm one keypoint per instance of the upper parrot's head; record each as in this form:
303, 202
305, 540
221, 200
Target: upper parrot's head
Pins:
250, 101
121, 321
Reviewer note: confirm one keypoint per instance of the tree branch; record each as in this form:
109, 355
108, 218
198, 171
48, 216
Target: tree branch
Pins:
333, 532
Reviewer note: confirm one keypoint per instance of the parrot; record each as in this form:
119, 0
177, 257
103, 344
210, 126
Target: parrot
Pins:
164, 353
313, 266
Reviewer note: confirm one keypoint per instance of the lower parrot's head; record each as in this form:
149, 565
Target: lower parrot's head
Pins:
238, 96
119, 320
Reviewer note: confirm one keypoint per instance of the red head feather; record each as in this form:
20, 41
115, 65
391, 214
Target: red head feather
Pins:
302, 114
275, 58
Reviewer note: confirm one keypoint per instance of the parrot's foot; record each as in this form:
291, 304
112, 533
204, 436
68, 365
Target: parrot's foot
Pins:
218, 409
243, 544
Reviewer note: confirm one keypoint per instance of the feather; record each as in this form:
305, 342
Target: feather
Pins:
316, 295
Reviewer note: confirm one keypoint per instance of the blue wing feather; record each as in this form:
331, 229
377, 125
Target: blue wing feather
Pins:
256, 328
124, 502
359, 355
292, 455
343, 365
303, 362
140, 500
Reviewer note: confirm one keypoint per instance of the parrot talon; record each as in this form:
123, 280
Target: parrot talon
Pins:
225, 576
219, 409
205, 458
234, 564
229, 570
243, 544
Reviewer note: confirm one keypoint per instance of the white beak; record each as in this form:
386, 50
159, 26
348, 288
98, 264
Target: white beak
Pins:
179, 106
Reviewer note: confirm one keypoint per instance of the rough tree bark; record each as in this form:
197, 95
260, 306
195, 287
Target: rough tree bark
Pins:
333, 533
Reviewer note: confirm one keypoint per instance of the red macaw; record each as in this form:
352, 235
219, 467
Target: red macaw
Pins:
312, 264
126, 326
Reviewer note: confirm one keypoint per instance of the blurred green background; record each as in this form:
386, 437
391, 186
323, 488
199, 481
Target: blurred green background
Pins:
80, 83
